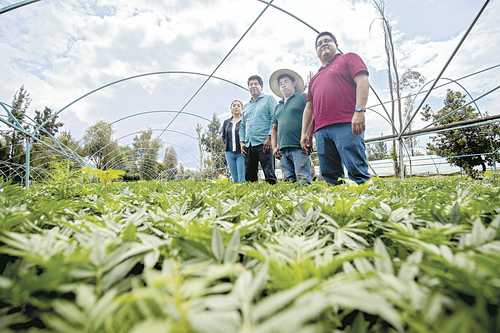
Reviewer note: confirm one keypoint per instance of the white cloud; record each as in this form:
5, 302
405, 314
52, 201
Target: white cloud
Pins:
61, 49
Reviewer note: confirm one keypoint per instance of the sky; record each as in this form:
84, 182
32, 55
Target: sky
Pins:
60, 50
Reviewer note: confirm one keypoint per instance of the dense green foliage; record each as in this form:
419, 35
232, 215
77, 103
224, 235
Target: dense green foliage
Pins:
421, 255
462, 146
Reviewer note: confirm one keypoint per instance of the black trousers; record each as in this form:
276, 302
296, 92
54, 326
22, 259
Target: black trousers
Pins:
255, 155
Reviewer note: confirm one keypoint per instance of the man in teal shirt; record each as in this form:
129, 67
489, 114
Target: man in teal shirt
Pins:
255, 132
287, 126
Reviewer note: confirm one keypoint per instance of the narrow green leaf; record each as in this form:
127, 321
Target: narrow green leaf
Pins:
129, 234
217, 244
233, 247
269, 305
383, 261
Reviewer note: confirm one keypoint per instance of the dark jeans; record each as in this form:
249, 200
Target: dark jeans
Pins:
337, 146
255, 155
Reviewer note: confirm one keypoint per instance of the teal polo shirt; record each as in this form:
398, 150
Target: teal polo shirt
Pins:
288, 117
256, 122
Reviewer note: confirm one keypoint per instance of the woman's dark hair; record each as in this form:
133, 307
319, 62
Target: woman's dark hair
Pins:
236, 100
255, 77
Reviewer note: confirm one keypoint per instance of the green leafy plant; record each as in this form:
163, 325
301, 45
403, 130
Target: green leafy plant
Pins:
420, 255
104, 176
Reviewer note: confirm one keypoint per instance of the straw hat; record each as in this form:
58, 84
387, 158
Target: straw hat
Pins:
275, 87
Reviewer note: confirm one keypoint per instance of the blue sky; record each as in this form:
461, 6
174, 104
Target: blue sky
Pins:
61, 49
443, 19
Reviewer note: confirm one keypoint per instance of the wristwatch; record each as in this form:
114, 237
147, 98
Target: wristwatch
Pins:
359, 109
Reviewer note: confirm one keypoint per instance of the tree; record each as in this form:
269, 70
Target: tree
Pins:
378, 151
462, 146
49, 121
146, 154
41, 154
67, 140
393, 79
124, 159
213, 145
13, 150
170, 163
199, 136
410, 80
99, 146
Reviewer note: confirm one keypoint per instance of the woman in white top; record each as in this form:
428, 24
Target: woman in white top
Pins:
231, 137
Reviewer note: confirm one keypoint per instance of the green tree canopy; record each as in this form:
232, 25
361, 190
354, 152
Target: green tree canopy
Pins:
49, 121
146, 154
12, 147
378, 151
99, 146
211, 142
170, 163
462, 147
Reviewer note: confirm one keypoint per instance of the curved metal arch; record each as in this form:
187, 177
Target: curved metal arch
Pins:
75, 156
17, 5
384, 118
114, 159
463, 106
442, 85
46, 163
3, 175
291, 15
149, 166
22, 166
8, 165
138, 132
147, 170
457, 47
37, 140
155, 130
270, 4
450, 81
158, 111
18, 169
9, 114
18, 125
317, 31
135, 77
120, 154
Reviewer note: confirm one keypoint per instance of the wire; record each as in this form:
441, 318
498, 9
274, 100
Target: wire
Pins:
216, 68
446, 65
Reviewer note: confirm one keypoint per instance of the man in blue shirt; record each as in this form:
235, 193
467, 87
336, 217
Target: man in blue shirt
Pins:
255, 132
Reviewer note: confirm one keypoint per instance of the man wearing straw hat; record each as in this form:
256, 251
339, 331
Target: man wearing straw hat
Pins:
287, 126
336, 101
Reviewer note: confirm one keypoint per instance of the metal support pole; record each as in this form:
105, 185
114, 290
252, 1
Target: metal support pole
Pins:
401, 158
27, 162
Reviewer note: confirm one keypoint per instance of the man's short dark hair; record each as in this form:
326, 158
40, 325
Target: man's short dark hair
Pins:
257, 78
286, 75
325, 33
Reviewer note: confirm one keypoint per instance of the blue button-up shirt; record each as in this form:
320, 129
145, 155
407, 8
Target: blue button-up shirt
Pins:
256, 122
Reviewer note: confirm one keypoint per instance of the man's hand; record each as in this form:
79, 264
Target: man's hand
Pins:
276, 153
243, 148
305, 143
358, 123
267, 145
